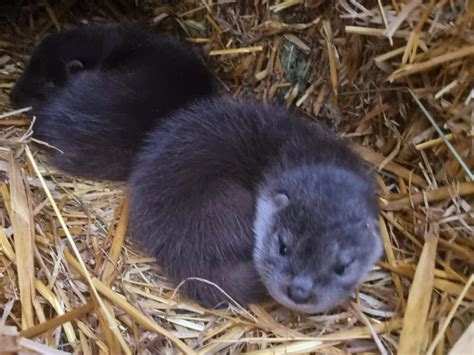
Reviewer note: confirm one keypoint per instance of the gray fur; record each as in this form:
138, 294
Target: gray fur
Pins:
215, 188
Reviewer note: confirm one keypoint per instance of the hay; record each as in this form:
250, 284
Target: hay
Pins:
396, 80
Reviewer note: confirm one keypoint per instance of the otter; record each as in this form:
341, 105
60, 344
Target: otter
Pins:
96, 90
257, 200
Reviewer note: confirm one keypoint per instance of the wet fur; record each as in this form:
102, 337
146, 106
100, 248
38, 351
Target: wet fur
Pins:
195, 187
98, 115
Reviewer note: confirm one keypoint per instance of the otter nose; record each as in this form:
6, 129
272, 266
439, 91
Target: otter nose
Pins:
300, 289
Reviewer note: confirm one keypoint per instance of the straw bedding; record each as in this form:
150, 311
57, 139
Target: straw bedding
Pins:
395, 78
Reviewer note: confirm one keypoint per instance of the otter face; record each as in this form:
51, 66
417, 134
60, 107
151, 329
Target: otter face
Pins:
49, 68
316, 239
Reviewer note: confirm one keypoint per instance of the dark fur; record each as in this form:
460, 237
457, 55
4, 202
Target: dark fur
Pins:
194, 187
98, 114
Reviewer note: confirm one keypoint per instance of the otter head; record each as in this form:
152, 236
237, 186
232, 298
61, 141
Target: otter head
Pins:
317, 236
54, 61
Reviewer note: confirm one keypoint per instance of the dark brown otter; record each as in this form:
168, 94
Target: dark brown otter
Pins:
96, 90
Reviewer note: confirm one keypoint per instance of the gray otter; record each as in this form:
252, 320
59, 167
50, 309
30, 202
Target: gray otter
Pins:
96, 90
258, 201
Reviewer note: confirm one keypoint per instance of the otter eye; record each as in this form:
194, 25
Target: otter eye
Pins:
283, 249
340, 270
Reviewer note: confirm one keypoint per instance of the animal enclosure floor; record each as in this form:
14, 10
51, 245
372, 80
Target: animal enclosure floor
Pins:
388, 76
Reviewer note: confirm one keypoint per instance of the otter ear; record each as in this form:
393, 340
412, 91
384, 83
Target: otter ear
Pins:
74, 66
280, 201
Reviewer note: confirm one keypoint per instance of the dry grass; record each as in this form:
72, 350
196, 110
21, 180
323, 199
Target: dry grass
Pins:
70, 281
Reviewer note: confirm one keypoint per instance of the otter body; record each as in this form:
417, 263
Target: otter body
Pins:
259, 202
97, 90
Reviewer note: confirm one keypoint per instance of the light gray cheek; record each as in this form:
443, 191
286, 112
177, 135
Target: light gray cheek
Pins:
356, 274
278, 282
259, 257
334, 298
264, 213
273, 265
264, 263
